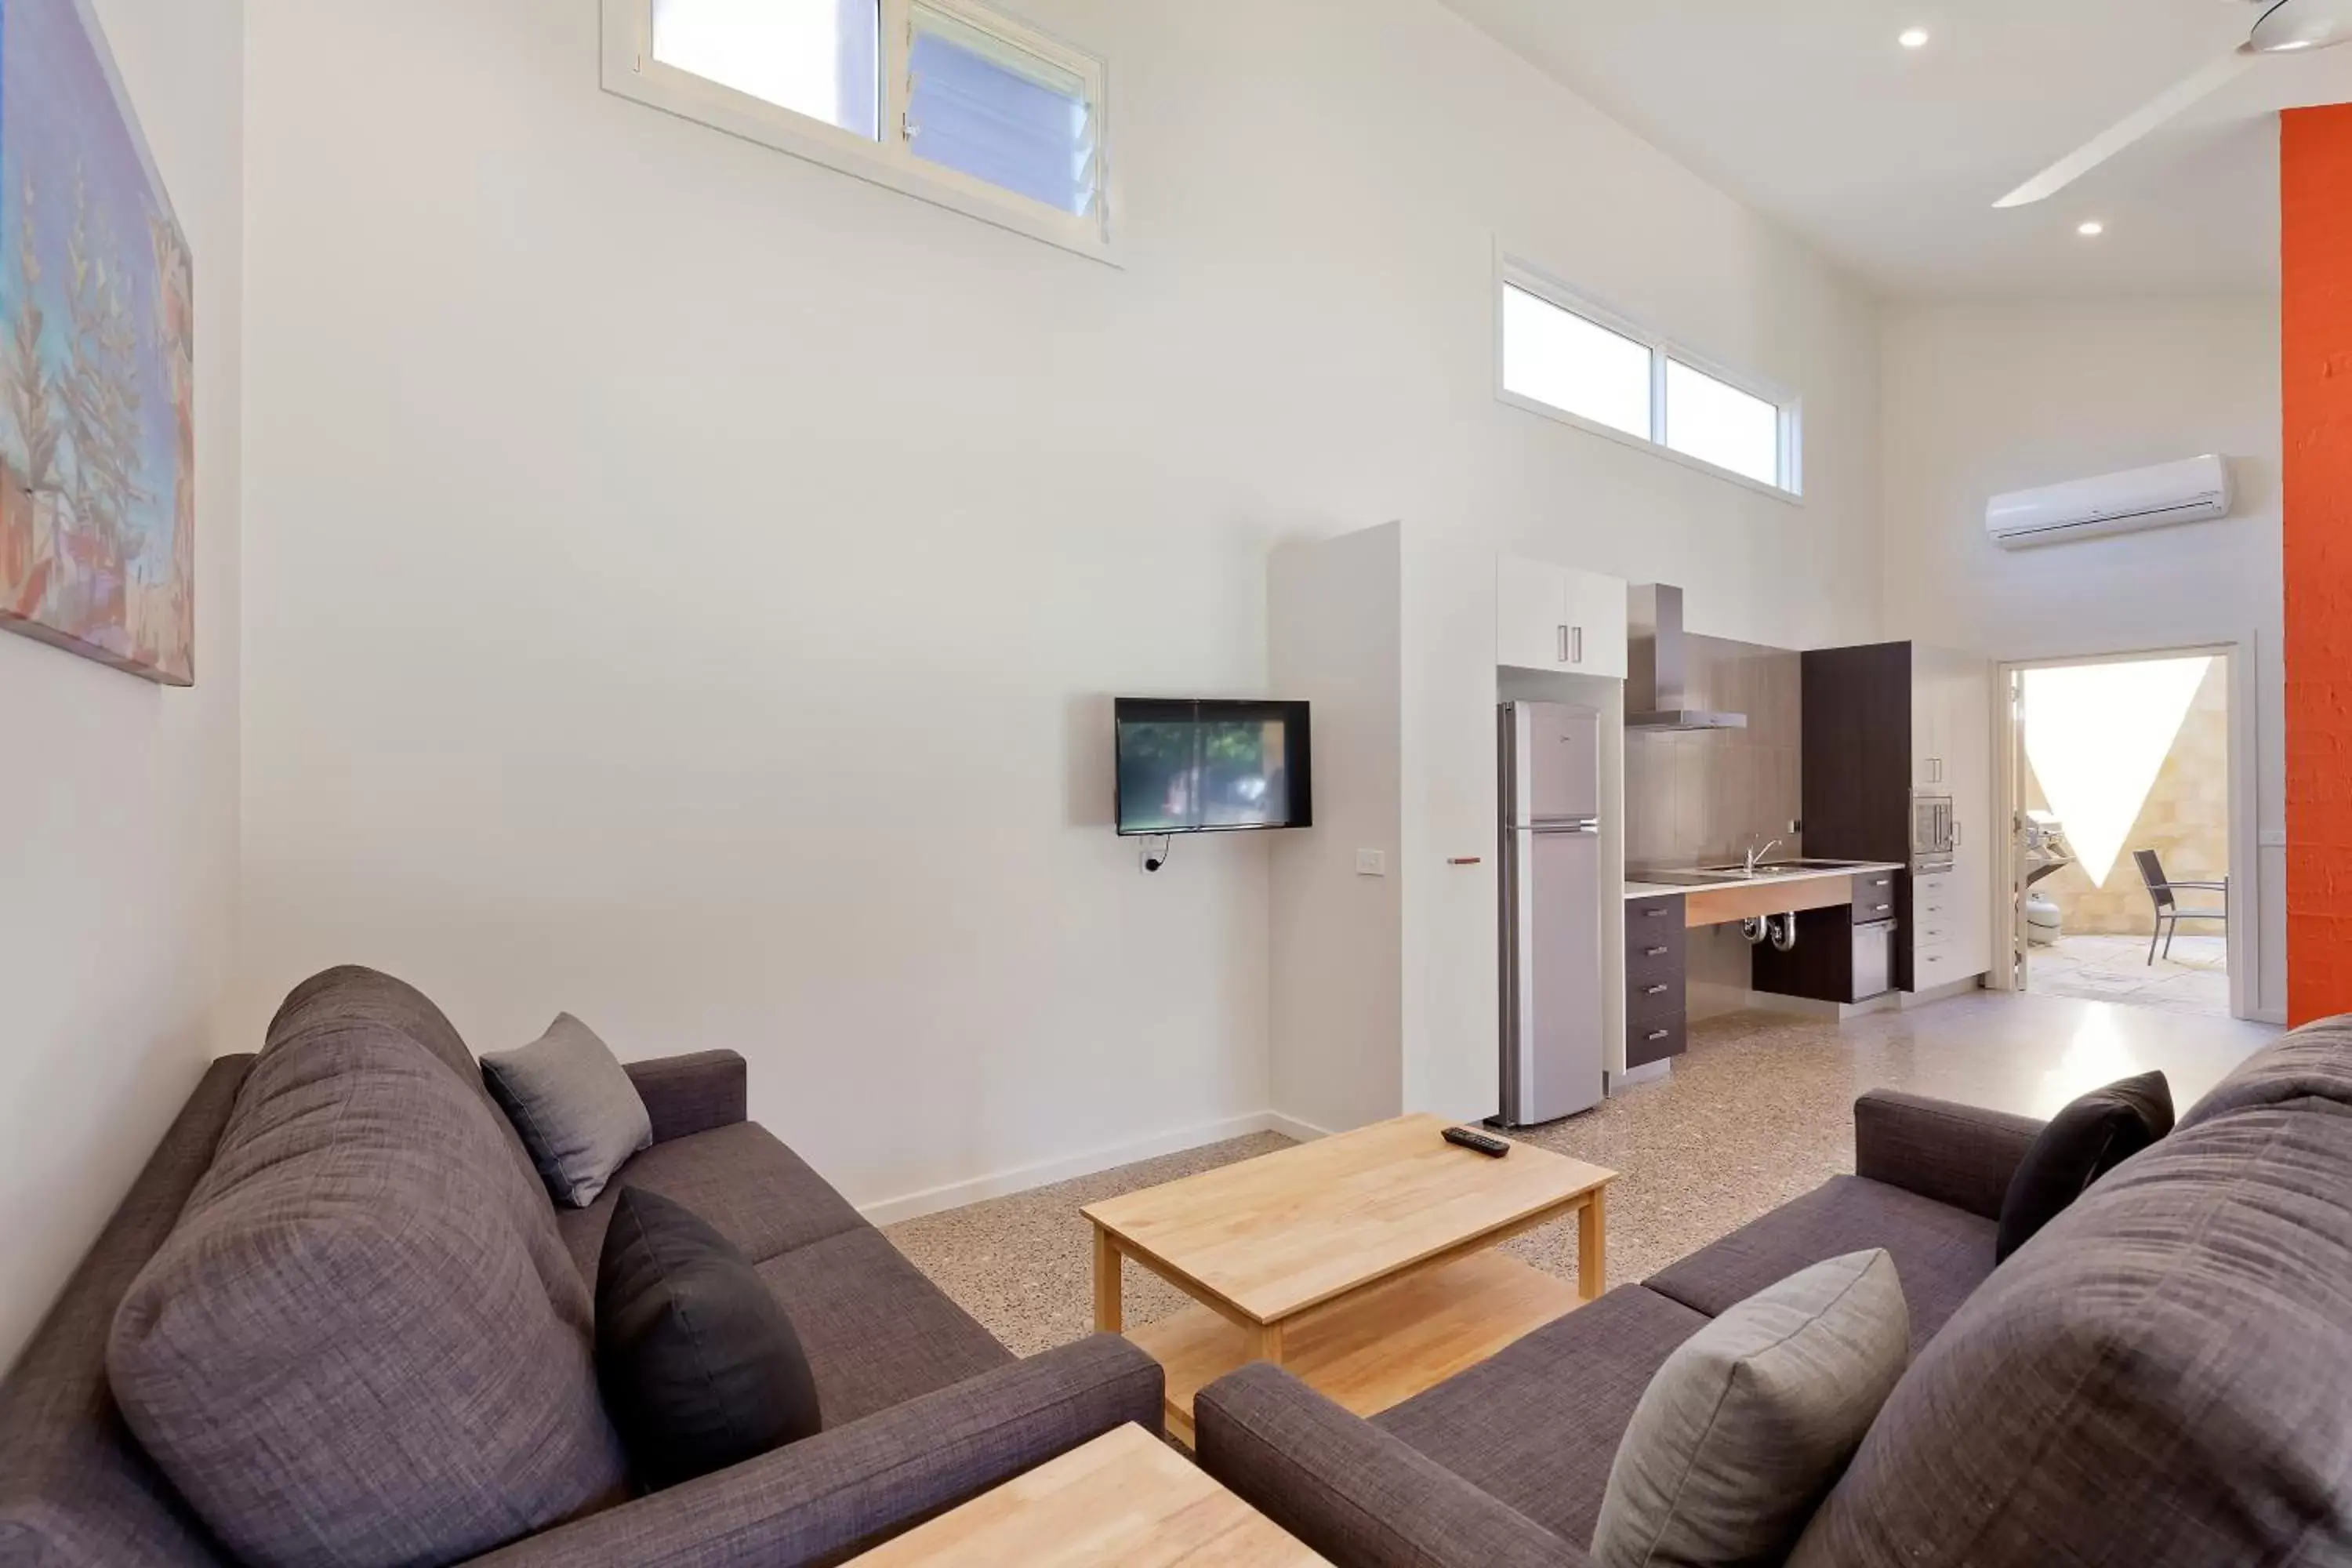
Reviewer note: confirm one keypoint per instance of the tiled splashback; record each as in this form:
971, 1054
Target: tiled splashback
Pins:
1703, 796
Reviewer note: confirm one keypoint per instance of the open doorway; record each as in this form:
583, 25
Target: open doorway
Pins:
2129, 877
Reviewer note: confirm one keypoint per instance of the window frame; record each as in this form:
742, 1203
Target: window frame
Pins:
631, 71
1510, 272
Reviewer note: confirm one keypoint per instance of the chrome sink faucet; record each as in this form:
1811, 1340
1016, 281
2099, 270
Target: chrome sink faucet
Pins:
1755, 857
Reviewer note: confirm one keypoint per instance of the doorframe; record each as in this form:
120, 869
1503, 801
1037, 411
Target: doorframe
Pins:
2245, 904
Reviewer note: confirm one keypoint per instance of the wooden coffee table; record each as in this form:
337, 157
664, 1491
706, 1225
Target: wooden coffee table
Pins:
1363, 1263
1124, 1501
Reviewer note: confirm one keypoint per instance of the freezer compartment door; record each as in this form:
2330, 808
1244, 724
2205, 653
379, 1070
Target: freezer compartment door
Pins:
1553, 1043
1551, 763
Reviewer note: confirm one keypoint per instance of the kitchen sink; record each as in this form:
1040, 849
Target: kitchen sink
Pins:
1731, 876
1780, 868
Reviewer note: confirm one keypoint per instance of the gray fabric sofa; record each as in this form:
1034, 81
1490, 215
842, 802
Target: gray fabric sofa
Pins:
2162, 1377
922, 1408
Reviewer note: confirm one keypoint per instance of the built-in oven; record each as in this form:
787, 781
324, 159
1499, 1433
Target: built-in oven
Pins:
1935, 831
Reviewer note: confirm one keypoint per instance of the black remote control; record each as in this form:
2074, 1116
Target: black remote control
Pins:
1493, 1148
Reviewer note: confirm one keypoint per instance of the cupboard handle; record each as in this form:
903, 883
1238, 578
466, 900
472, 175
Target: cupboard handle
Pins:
1563, 644
1576, 643
1654, 914
1658, 1035
1657, 990
1884, 882
1463, 860
1657, 953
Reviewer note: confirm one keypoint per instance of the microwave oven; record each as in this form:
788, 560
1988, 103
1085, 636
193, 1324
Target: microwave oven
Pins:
1935, 831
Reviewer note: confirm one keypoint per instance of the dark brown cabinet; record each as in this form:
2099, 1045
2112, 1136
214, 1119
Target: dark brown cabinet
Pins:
1656, 947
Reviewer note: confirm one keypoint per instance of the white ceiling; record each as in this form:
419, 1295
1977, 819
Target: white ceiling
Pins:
1889, 160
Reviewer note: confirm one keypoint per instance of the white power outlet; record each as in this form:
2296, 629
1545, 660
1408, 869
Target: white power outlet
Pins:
1372, 863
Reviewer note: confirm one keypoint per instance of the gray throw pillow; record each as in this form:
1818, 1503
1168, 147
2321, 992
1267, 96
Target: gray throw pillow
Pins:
1745, 1429
571, 1101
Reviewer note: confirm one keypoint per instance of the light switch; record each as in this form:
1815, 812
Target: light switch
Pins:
1372, 863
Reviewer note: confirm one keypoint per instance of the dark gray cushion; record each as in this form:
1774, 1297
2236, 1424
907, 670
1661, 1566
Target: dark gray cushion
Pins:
579, 1114
2094, 1134
74, 1488
878, 1333
2163, 1379
1942, 1253
1753, 1418
364, 1342
700, 1365
752, 1190
1538, 1425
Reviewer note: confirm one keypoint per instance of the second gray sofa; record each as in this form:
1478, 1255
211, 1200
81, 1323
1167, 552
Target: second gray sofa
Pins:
2162, 1377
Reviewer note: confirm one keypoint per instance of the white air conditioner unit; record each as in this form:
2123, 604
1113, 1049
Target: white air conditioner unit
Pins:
2197, 491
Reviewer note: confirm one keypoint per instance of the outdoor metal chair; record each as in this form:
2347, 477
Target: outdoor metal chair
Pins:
2168, 912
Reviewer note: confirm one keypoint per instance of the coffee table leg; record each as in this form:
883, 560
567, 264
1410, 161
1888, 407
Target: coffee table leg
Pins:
1592, 1246
1110, 1312
1266, 1343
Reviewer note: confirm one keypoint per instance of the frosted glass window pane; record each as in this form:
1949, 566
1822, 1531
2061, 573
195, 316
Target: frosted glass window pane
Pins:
1722, 424
817, 58
993, 110
1558, 358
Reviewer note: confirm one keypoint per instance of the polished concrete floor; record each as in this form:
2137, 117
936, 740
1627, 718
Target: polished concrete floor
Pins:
1758, 1112
2194, 979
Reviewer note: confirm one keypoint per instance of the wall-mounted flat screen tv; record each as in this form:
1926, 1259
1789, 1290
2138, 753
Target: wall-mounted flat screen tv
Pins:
1213, 767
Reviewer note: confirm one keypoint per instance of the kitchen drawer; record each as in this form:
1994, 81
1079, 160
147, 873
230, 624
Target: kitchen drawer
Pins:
1650, 999
1656, 1040
1874, 886
1655, 950
1936, 888
1654, 914
1870, 911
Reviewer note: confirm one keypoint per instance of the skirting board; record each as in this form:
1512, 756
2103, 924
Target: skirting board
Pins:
1045, 1173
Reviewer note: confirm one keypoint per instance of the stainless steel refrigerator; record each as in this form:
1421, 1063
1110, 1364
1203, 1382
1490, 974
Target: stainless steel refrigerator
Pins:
1552, 1034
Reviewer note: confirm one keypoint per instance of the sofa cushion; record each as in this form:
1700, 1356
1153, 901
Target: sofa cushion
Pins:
364, 1343
571, 1101
1941, 1253
876, 1331
1753, 1418
752, 1190
2093, 1135
2315, 1062
1538, 1425
2165, 1380
352, 995
700, 1365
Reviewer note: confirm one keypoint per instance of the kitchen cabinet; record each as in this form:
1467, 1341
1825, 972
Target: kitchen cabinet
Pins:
1554, 617
1884, 724
1657, 981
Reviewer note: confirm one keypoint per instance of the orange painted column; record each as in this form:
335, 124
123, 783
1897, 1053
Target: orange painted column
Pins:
2316, 247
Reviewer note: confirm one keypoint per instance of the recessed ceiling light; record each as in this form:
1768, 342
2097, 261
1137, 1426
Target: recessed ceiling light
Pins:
2091, 230
1913, 38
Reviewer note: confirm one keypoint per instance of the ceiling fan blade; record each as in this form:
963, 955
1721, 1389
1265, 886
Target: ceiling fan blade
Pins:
2174, 102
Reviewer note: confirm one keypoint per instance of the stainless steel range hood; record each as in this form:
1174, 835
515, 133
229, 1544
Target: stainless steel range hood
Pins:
1657, 690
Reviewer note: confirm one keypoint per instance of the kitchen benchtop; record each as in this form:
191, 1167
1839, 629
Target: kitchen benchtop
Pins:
1765, 877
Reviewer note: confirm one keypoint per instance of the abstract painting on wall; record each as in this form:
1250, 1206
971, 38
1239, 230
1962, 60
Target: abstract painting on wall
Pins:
98, 507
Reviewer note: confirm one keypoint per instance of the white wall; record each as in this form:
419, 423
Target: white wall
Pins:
122, 797
1986, 398
685, 584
